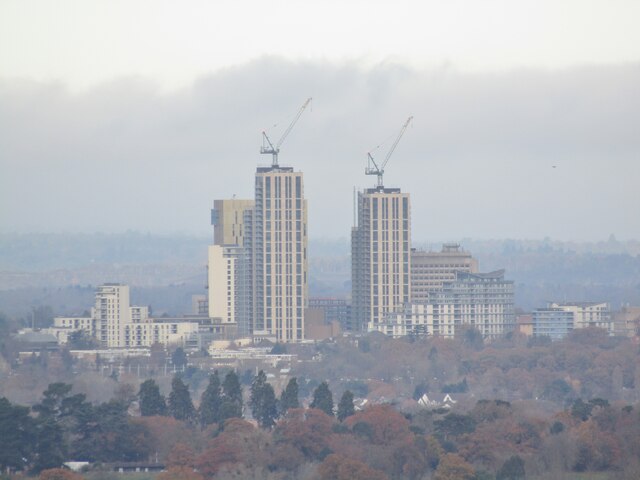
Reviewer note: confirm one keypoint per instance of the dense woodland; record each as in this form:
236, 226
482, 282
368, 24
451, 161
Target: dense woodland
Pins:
494, 439
523, 406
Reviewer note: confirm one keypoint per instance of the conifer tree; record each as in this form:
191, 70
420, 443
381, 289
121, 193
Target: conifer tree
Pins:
263, 401
17, 430
289, 397
151, 402
180, 404
257, 389
231, 397
323, 399
345, 407
211, 401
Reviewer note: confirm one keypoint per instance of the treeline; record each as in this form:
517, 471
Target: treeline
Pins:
587, 364
279, 439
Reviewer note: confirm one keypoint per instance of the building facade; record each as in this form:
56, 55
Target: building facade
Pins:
431, 270
380, 256
588, 314
279, 253
114, 323
555, 323
480, 300
111, 314
228, 220
484, 301
229, 286
626, 322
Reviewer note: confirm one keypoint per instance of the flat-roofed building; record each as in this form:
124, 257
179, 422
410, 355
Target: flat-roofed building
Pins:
480, 300
431, 270
626, 322
111, 314
555, 323
484, 301
279, 253
333, 310
587, 314
159, 331
380, 256
228, 220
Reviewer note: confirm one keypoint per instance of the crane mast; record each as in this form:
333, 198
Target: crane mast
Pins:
267, 146
372, 166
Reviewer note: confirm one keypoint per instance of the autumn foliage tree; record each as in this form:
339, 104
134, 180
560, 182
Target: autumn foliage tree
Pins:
307, 430
338, 467
454, 467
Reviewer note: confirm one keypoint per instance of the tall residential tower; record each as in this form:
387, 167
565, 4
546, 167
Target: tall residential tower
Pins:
380, 256
279, 252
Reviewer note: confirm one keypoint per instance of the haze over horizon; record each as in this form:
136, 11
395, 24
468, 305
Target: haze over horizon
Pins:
137, 115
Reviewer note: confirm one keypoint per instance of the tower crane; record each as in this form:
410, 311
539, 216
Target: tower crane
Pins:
372, 166
269, 148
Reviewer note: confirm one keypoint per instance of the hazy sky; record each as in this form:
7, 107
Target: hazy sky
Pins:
137, 114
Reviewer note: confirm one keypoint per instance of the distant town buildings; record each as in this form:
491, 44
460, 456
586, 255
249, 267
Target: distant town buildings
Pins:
557, 320
480, 300
114, 323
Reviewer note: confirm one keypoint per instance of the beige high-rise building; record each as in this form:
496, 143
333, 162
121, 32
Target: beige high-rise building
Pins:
380, 256
230, 298
431, 270
279, 253
228, 219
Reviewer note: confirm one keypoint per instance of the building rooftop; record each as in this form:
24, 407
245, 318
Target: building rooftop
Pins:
272, 168
496, 275
382, 190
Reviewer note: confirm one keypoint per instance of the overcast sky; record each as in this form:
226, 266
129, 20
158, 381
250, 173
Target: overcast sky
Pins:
137, 114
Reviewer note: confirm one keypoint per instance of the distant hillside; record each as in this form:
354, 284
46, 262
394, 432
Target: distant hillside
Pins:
543, 270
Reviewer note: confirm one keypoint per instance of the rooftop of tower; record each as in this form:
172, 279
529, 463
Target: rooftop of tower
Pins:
382, 190
274, 168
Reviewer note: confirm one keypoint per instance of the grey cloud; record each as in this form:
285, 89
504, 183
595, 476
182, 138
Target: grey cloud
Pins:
478, 160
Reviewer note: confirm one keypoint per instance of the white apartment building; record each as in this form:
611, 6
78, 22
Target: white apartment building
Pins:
111, 313
117, 324
169, 333
222, 267
480, 300
587, 314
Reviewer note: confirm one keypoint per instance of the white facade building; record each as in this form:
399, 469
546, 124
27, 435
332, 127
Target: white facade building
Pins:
117, 324
111, 313
480, 300
588, 314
